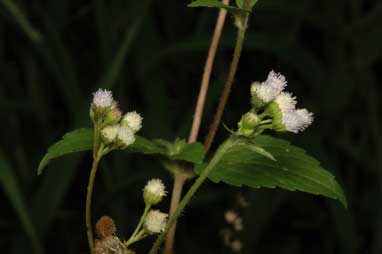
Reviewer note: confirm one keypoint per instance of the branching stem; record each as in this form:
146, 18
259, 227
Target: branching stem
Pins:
179, 179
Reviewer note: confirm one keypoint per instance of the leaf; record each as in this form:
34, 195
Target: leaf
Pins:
13, 192
75, 141
217, 4
240, 3
82, 140
239, 164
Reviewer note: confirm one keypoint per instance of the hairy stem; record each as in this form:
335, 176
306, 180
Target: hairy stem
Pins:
228, 84
223, 148
179, 179
88, 215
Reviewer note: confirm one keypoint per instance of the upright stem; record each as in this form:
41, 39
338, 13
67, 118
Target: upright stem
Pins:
179, 179
207, 74
228, 84
191, 192
88, 216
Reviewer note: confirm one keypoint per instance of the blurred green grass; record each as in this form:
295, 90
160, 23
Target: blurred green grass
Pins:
54, 54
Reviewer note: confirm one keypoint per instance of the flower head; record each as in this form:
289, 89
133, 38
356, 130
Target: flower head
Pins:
295, 120
125, 136
265, 92
109, 133
103, 99
133, 120
285, 101
155, 221
154, 191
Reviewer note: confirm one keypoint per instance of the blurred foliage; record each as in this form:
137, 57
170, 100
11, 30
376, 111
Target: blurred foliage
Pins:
54, 54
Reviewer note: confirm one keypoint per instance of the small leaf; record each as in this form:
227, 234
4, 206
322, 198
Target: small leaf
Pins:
242, 164
75, 141
216, 4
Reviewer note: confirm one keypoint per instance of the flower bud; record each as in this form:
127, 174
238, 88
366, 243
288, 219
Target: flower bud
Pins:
113, 115
155, 222
154, 192
248, 124
133, 120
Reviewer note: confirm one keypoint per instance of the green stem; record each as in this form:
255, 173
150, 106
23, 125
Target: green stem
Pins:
133, 236
241, 23
89, 195
218, 155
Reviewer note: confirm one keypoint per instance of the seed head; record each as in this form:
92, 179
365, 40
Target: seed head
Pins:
105, 227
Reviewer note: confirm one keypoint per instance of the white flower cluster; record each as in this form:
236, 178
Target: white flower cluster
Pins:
115, 130
279, 104
269, 89
155, 222
154, 192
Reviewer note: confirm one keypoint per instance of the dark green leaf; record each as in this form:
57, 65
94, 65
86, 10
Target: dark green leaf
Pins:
216, 4
293, 169
82, 140
75, 141
12, 190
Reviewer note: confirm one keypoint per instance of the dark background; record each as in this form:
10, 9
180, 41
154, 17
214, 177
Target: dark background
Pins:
329, 50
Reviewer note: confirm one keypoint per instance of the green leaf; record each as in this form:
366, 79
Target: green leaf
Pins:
240, 164
75, 141
217, 4
82, 140
12, 190
240, 3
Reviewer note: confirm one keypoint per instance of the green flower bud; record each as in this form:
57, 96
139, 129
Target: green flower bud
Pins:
248, 124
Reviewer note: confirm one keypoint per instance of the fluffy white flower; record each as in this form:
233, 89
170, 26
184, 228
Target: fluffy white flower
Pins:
133, 120
154, 191
103, 99
285, 101
276, 80
155, 221
109, 133
306, 118
296, 120
269, 89
125, 136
